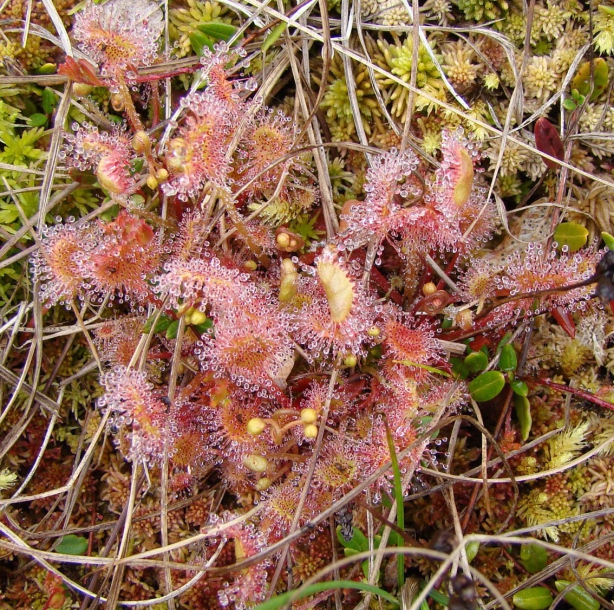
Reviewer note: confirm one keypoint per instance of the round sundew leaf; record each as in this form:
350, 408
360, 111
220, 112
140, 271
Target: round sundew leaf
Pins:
534, 598
508, 360
486, 386
570, 234
534, 557
577, 596
72, 545
476, 362
523, 413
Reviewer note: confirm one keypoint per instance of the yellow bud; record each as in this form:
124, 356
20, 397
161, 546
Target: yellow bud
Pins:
429, 288
263, 483
141, 142
283, 240
197, 317
289, 281
117, 102
309, 415
250, 265
161, 175
374, 331
310, 431
151, 182
350, 360
255, 463
255, 426
81, 89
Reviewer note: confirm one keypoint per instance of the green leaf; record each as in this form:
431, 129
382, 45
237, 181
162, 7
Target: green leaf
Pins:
72, 545
578, 597
582, 79
569, 104
273, 36
357, 543
161, 325
281, 600
38, 120
472, 548
398, 495
47, 68
200, 41
535, 598
523, 413
486, 386
201, 329
476, 362
533, 557
218, 30
608, 240
426, 367
519, 387
570, 234
459, 368
172, 329
49, 100
508, 360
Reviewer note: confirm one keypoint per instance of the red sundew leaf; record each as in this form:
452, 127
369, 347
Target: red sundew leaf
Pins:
547, 140
565, 321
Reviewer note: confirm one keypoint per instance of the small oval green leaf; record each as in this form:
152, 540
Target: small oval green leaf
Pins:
519, 387
582, 79
508, 360
49, 100
472, 548
523, 413
72, 545
486, 386
572, 235
578, 597
535, 598
533, 557
459, 368
37, 119
476, 362
608, 240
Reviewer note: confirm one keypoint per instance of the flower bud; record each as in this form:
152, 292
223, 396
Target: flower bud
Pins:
310, 431
151, 182
81, 89
350, 360
255, 426
309, 415
141, 142
250, 265
263, 484
198, 317
374, 331
255, 463
161, 175
429, 288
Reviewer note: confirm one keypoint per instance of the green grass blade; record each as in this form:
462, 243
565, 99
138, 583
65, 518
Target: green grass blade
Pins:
398, 494
280, 600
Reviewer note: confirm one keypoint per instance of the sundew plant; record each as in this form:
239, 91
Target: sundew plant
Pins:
306, 305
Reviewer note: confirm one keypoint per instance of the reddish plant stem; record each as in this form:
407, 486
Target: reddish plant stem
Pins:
578, 393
